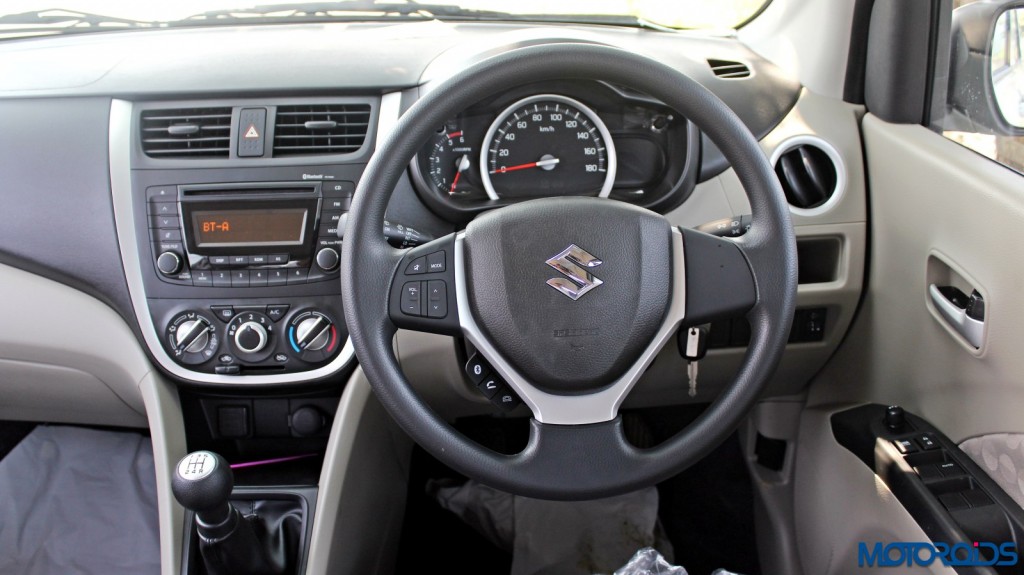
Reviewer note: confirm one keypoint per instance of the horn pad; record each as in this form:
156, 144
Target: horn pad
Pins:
569, 290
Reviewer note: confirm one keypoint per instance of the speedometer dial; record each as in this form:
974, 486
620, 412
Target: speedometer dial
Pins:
547, 145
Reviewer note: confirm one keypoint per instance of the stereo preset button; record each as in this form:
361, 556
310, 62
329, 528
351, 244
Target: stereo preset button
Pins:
202, 278
297, 275
221, 278
277, 277
258, 278
240, 278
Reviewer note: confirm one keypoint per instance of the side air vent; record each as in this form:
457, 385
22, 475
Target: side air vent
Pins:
729, 69
811, 173
187, 133
320, 129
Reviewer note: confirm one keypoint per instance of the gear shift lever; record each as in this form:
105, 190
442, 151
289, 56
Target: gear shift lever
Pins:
202, 483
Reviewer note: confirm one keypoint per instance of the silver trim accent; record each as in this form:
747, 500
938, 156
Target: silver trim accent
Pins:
837, 160
390, 112
574, 263
609, 145
124, 221
595, 407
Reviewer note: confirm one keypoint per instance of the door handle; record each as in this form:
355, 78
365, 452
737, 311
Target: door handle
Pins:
964, 314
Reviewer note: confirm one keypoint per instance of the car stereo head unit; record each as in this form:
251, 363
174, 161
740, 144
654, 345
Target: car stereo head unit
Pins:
216, 235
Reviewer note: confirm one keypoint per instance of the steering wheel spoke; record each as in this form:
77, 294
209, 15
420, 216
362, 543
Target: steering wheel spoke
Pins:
423, 291
719, 283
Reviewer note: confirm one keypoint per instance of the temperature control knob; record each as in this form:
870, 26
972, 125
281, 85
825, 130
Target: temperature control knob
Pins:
168, 263
250, 334
313, 336
192, 338
250, 337
313, 333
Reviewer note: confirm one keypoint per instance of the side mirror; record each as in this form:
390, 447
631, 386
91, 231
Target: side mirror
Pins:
986, 81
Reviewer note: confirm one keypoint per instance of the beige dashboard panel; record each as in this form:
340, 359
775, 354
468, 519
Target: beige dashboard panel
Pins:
65, 356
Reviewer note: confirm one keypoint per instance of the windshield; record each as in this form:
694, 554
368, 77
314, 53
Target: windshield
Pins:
53, 16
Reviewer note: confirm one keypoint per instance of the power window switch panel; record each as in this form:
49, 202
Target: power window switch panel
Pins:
927, 442
905, 446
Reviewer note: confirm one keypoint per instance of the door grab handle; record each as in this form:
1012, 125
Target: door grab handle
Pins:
972, 329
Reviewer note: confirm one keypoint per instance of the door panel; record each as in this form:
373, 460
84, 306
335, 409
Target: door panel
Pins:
931, 196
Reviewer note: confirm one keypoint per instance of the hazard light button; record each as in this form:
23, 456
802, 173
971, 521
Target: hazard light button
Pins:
251, 123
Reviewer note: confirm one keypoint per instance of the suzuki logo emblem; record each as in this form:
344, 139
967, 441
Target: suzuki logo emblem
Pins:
575, 263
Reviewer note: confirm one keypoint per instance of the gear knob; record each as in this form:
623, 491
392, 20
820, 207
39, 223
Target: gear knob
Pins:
202, 483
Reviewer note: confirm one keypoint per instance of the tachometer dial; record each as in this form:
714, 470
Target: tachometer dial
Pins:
449, 162
547, 145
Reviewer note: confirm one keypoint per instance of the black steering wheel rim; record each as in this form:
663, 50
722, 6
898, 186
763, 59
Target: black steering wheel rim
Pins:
567, 461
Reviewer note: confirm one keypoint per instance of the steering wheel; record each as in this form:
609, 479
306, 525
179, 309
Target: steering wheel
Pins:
632, 281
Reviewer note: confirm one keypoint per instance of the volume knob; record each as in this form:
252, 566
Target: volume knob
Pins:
250, 337
327, 259
168, 263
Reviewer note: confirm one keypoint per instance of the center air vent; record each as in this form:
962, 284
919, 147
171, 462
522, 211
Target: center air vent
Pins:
810, 171
320, 129
729, 69
187, 133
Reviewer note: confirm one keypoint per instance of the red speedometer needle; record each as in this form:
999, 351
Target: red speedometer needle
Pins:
537, 164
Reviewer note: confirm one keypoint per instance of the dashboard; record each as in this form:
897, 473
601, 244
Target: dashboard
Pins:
201, 197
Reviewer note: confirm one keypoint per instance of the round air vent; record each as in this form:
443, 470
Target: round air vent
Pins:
811, 173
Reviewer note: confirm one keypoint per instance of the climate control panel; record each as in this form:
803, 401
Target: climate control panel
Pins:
253, 338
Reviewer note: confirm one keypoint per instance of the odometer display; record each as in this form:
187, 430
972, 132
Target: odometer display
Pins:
547, 145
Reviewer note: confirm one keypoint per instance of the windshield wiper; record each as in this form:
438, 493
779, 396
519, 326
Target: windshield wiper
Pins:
351, 9
59, 19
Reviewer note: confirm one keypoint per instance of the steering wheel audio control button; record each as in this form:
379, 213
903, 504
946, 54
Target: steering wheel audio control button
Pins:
477, 369
437, 299
417, 266
506, 399
435, 262
412, 300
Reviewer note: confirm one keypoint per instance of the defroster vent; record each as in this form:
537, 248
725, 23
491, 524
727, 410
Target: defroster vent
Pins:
320, 129
187, 133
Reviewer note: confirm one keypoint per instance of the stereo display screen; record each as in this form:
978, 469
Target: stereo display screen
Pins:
251, 227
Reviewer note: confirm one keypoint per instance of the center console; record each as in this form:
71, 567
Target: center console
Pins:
233, 255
